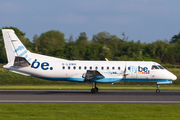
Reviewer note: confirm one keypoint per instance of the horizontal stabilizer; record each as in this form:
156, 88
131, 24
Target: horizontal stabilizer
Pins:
20, 73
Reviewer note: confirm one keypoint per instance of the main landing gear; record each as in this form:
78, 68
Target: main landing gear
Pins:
157, 90
94, 88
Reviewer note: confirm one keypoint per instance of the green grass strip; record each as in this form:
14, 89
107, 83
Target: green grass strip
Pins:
85, 87
51, 111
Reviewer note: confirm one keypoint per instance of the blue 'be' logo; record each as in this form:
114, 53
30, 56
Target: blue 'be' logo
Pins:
44, 65
141, 69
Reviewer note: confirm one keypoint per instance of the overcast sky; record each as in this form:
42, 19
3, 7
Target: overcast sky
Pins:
144, 20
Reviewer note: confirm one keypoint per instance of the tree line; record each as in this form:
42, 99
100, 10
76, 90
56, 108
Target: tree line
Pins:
103, 45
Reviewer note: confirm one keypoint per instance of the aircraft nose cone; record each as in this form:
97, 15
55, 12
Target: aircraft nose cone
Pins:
174, 77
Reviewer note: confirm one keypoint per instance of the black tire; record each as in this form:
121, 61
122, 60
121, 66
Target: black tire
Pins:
96, 89
93, 91
158, 91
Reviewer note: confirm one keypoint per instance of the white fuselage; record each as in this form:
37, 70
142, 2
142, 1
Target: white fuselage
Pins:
113, 71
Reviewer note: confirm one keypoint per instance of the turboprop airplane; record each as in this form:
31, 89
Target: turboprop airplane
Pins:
22, 61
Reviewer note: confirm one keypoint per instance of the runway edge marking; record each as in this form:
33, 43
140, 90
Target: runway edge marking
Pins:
40, 101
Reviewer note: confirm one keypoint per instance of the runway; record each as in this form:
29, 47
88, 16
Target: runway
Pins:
85, 96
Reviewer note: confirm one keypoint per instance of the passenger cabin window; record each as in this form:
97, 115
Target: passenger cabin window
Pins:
90, 68
74, 67
160, 67
102, 68
79, 67
63, 67
96, 68
154, 67
85, 67
129, 68
107, 68
69, 67
113, 68
119, 68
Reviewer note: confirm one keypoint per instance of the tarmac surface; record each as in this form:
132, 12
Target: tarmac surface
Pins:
85, 96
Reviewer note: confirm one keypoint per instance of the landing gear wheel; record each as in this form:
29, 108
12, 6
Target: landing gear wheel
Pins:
96, 89
93, 90
158, 91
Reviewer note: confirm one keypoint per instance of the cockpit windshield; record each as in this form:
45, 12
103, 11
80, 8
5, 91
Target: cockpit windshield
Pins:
160, 67
157, 67
154, 67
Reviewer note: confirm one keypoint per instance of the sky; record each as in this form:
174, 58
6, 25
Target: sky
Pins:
144, 20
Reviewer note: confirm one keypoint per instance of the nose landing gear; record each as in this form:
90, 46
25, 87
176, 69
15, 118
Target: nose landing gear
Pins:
157, 90
94, 88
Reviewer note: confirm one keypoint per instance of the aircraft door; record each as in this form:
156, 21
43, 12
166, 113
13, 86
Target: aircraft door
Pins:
154, 72
131, 70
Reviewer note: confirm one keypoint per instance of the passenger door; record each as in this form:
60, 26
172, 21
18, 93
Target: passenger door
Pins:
131, 70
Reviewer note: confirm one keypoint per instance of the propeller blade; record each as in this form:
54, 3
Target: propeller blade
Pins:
124, 76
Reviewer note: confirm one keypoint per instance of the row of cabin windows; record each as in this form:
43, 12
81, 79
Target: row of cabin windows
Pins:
102, 68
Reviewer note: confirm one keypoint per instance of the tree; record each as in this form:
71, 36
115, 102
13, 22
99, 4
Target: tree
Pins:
101, 37
50, 43
71, 40
161, 49
81, 43
175, 39
35, 42
3, 58
93, 51
105, 52
153, 47
82, 39
125, 38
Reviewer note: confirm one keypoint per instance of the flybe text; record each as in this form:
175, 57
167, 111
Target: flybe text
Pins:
143, 70
43, 66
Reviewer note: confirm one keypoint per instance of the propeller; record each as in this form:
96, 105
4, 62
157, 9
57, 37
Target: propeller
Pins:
124, 76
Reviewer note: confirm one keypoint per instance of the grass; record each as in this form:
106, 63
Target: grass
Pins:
86, 87
51, 111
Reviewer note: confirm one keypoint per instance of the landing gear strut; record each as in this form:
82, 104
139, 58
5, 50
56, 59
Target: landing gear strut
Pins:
94, 88
157, 90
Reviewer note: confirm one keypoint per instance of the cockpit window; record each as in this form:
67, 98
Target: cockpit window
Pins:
154, 67
160, 67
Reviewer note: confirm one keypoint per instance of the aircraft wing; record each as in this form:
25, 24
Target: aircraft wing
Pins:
93, 74
106, 77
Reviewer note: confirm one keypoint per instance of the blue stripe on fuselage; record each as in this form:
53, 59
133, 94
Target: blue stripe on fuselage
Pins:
147, 80
110, 80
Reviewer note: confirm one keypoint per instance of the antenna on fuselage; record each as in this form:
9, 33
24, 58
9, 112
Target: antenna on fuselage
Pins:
106, 59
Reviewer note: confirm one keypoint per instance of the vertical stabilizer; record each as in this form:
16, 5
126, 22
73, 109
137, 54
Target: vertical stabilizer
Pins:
14, 47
